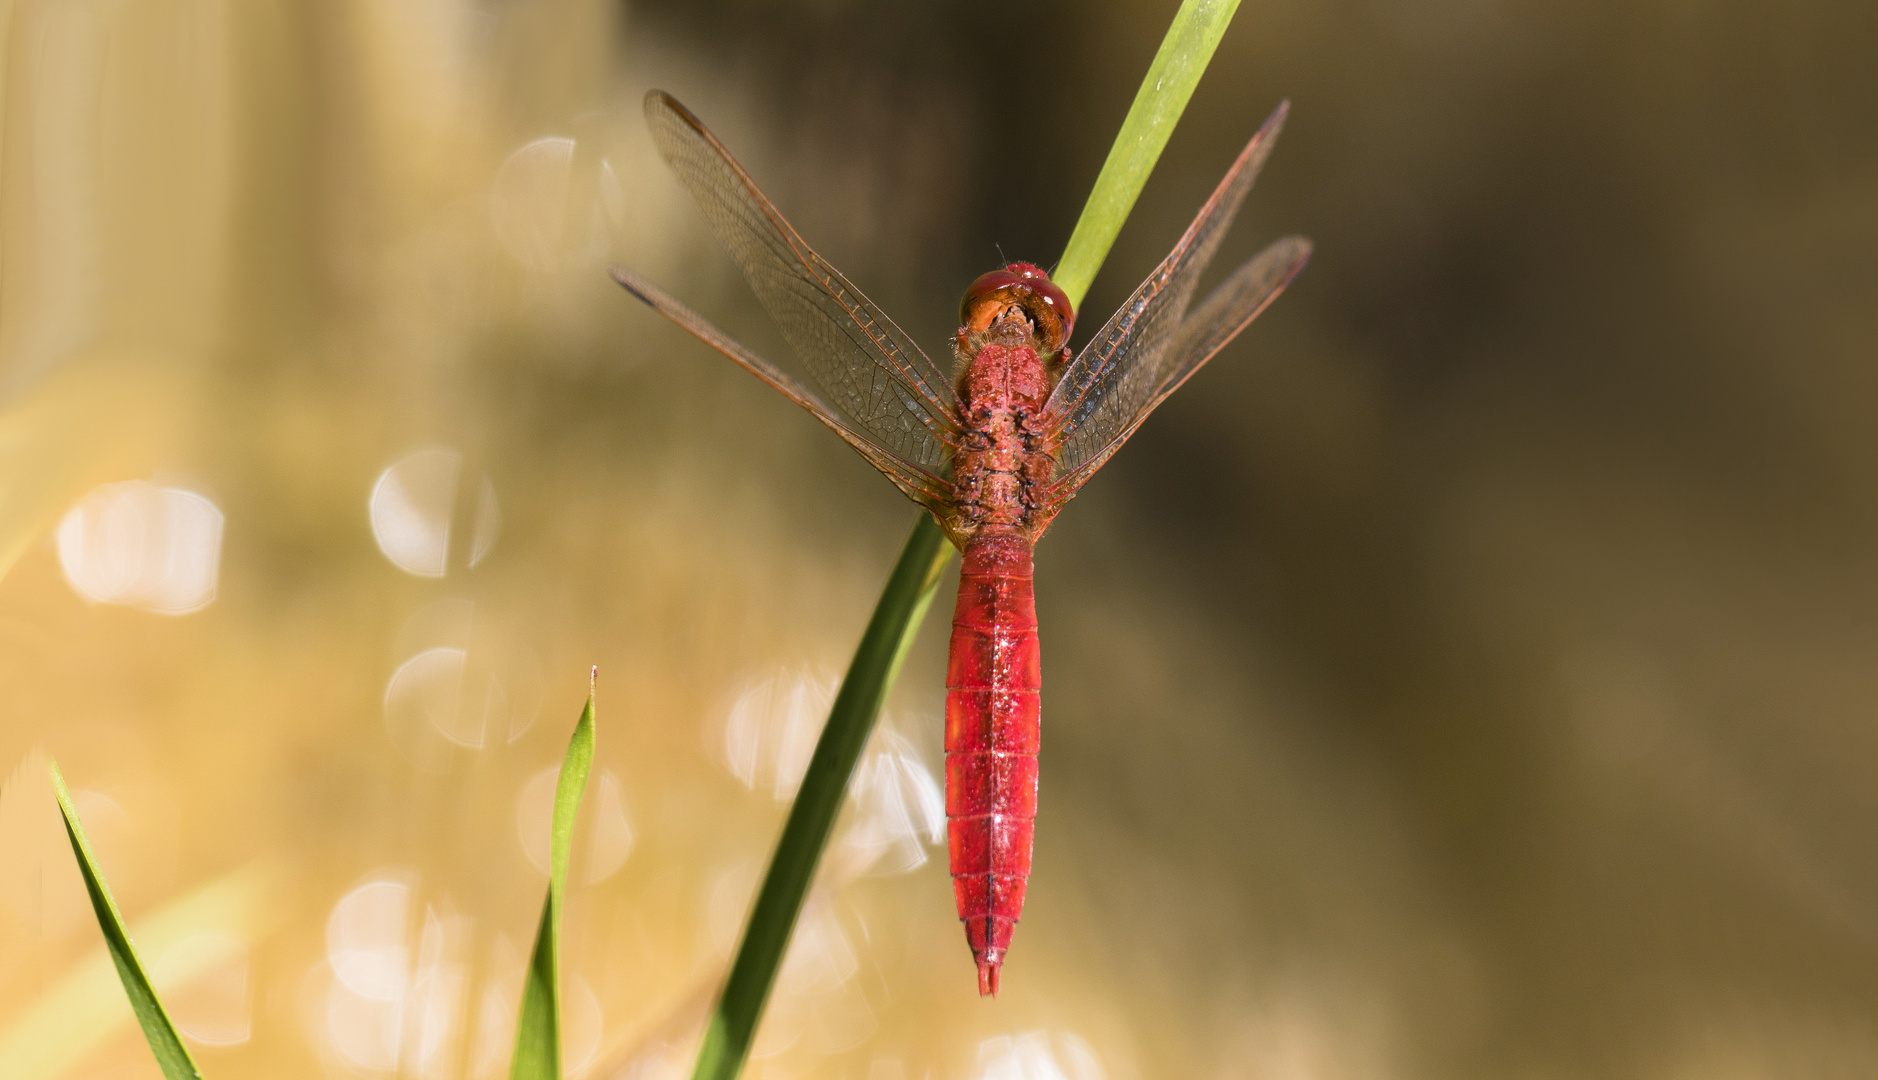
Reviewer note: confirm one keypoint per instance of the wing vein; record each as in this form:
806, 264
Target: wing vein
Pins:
922, 485
867, 365
1119, 377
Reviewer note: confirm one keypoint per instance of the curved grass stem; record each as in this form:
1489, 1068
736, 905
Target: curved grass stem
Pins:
1175, 71
883, 648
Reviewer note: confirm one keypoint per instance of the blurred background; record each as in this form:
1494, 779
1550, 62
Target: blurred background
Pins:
1471, 674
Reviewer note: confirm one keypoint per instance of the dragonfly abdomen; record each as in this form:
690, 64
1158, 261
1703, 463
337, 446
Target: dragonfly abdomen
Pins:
993, 689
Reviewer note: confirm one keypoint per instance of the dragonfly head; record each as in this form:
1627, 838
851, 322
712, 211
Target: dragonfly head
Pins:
1019, 288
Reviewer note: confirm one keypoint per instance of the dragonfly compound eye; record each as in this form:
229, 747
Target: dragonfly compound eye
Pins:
1049, 309
1028, 288
999, 286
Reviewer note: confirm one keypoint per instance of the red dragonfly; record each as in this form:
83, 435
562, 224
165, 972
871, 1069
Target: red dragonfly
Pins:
992, 448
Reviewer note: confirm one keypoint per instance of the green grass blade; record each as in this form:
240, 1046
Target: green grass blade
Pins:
77, 1012
172, 1057
1176, 70
876, 662
538, 1029
1177, 67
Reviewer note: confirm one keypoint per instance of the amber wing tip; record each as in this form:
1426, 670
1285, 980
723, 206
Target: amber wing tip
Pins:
988, 978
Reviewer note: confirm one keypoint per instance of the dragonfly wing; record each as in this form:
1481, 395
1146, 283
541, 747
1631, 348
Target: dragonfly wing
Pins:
1228, 310
878, 380
1109, 385
922, 485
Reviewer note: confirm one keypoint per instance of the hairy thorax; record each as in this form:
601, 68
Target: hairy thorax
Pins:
1004, 462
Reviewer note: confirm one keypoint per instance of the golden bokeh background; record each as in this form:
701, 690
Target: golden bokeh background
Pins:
1472, 673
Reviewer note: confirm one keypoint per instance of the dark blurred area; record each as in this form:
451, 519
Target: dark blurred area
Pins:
1469, 674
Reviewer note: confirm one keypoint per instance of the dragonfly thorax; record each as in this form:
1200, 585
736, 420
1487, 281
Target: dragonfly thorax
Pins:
1005, 458
1016, 323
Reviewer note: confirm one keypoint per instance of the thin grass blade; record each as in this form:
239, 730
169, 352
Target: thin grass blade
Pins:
165, 1044
77, 1012
1177, 67
857, 705
538, 1029
1176, 70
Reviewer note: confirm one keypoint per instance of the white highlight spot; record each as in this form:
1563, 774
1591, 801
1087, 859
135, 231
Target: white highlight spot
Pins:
207, 989
899, 810
546, 213
496, 1015
770, 731
364, 1031
145, 546
602, 824
582, 1023
394, 1004
413, 505
1039, 1055
429, 686
365, 940
817, 1001
466, 682
820, 957
731, 893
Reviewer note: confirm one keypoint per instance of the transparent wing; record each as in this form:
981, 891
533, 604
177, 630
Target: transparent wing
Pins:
1228, 310
1106, 389
922, 485
880, 383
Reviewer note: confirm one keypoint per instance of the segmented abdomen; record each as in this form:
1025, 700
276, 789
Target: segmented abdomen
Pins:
992, 695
